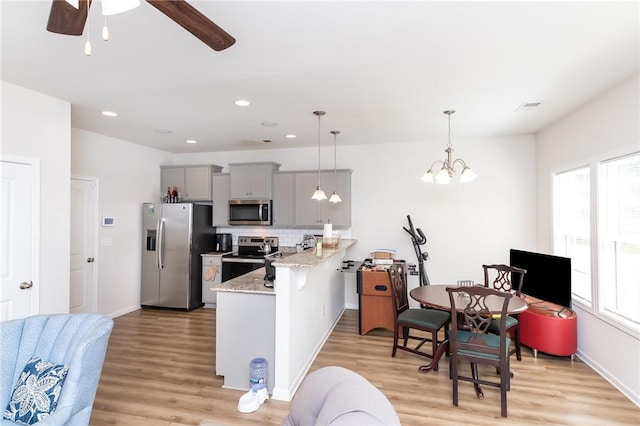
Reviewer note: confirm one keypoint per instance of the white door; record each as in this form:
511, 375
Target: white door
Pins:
83, 227
19, 220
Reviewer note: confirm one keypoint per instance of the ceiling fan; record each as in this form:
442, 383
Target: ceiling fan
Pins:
66, 19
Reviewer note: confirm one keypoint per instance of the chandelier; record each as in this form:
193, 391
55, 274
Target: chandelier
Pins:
448, 167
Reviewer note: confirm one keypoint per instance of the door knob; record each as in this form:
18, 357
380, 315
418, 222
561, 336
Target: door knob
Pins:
26, 285
90, 259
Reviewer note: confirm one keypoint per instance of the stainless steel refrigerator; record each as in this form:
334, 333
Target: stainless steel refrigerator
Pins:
174, 236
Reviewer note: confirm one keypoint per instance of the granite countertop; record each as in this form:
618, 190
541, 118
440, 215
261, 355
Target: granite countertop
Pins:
253, 282
310, 258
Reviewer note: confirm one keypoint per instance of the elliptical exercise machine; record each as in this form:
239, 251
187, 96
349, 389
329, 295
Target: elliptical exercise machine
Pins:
418, 239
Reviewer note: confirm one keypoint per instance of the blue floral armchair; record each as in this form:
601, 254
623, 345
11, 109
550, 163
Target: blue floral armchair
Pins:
76, 341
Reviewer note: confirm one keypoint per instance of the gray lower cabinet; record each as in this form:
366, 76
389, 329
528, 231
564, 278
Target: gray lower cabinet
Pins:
283, 199
220, 189
192, 182
312, 213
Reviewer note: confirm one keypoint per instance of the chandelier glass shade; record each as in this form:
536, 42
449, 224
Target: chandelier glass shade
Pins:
335, 198
447, 169
319, 194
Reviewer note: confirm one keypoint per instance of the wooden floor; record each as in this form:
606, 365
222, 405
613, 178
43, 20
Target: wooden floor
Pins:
159, 370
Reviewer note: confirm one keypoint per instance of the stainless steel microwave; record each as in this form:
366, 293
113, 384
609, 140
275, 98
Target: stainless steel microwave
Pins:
249, 212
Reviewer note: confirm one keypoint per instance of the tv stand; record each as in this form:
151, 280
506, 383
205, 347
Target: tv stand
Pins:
549, 328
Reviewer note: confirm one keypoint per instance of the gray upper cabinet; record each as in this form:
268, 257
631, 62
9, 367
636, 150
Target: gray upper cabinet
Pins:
252, 181
312, 213
283, 199
220, 188
193, 182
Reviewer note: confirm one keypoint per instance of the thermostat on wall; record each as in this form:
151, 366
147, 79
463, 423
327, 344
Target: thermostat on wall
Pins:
108, 221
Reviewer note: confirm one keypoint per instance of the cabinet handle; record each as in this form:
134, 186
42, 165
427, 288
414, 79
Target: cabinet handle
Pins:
380, 287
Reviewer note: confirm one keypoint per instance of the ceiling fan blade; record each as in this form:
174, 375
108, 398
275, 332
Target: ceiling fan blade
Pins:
195, 22
66, 19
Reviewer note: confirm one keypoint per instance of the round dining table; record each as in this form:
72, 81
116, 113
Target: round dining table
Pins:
436, 296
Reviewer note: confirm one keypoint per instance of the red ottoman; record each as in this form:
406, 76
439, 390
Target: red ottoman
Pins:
549, 328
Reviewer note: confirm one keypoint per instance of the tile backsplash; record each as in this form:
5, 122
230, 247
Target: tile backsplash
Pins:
287, 237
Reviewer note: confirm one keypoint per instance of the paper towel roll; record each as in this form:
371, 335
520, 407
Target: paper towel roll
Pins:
328, 231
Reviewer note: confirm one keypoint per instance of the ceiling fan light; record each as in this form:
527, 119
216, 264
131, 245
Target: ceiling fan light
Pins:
335, 198
319, 194
113, 7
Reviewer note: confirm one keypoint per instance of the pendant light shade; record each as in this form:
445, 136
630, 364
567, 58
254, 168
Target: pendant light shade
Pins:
319, 194
335, 198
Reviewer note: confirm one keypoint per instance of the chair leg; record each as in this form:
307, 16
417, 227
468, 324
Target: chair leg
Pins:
505, 385
395, 341
453, 374
434, 347
516, 336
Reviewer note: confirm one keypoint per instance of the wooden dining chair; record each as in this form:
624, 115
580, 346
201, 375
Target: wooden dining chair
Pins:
405, 318
470, 342
508, 279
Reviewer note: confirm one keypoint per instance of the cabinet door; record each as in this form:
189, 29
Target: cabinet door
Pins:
220, 189
210, 264
307, 211
252, 182
283, 196
260, 181
197, 183
170, 177
338, 214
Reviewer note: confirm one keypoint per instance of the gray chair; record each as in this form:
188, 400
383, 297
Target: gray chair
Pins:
337, 396
428, 320
78, 341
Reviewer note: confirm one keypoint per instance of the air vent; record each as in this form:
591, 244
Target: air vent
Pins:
528, 106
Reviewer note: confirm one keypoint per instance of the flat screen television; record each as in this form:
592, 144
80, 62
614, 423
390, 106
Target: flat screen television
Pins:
548, 277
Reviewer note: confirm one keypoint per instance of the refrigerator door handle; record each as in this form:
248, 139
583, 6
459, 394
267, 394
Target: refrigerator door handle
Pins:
161, 243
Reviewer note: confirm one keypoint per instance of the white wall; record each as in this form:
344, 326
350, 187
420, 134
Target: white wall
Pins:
38, 126
607, 126
465, 225
128, 175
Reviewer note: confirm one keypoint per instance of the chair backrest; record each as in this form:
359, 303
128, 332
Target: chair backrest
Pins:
472, 310
398, 281
504, 278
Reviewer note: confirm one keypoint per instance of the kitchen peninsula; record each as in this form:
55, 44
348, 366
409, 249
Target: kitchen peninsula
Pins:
287, 324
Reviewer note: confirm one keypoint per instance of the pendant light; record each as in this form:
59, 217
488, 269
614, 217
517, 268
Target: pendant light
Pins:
319, 194
335, 198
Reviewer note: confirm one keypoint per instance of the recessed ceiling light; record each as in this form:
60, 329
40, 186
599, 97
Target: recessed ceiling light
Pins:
109, 114
269, 123
290, 136
191, 141
242, 102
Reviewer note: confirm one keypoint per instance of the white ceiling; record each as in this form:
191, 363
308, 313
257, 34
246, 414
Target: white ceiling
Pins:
383, 71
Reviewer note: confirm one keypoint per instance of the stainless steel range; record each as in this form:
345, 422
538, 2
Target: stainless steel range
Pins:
250, 256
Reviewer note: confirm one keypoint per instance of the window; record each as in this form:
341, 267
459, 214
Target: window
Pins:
572, 225
614, 206
619, 238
